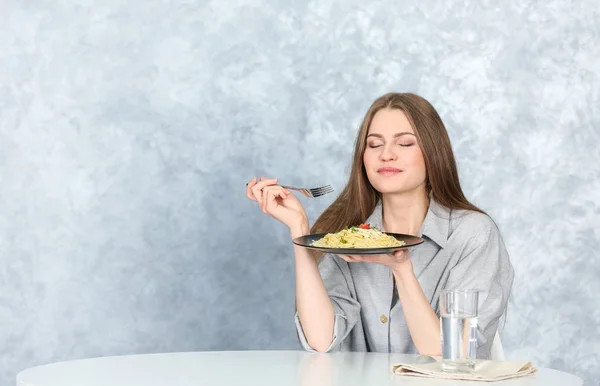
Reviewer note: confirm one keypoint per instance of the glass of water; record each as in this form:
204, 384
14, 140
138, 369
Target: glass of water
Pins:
458, 311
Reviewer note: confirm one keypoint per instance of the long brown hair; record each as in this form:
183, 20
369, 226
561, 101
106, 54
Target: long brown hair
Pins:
358, 199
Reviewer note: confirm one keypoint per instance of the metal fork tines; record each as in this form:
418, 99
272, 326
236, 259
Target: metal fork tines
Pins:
314, 192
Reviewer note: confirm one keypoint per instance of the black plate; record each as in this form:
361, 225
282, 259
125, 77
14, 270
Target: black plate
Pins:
411, 241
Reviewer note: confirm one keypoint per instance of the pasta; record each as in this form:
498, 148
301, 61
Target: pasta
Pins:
362, 236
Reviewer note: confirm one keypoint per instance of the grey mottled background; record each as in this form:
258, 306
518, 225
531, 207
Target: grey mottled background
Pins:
128, 129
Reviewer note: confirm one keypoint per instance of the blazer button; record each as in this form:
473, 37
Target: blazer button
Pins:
383, 319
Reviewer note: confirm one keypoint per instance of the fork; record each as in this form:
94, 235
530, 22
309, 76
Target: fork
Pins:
312, 193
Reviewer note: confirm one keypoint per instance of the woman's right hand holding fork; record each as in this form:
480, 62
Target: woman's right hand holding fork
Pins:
280, 204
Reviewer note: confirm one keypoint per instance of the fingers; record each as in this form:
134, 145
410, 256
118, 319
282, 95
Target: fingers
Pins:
269, 198
269, 203
257, 187
376, 259
390, 260
352, 258
249, 186
346, 258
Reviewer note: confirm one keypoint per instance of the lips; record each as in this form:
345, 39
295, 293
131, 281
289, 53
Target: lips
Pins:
388, 171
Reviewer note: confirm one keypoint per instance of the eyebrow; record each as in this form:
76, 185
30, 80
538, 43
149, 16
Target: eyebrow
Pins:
395, 135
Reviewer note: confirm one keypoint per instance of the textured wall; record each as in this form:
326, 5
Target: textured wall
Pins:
128, 129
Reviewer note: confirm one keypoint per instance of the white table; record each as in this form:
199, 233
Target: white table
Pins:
262, 368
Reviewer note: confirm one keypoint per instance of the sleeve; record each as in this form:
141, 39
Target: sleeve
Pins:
338, 283
485, 266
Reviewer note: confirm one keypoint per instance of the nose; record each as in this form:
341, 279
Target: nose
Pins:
388, 154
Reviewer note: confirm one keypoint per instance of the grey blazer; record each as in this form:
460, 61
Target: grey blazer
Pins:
462, 250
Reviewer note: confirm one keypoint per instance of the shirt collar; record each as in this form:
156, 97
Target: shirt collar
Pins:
435, 225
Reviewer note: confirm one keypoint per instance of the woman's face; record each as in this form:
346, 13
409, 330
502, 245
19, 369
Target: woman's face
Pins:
393, 159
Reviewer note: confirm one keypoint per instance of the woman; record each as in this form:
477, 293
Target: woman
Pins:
403, 180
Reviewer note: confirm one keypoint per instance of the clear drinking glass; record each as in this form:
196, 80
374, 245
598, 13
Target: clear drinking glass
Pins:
458, 311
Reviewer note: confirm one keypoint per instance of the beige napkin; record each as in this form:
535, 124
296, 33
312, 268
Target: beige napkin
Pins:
484, 370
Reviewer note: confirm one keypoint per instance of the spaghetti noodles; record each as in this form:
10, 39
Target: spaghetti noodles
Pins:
362, 236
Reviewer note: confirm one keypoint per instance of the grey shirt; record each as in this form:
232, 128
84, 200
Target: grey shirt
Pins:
462, 250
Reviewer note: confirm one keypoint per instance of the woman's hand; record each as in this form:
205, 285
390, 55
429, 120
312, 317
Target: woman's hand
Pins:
399, 262
278, 203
